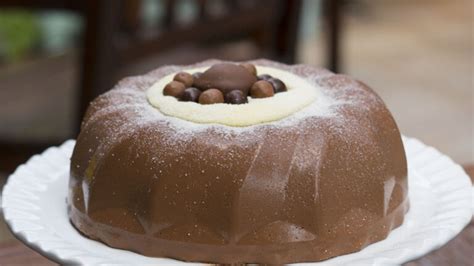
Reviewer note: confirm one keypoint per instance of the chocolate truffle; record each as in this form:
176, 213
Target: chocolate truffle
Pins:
185, 78
211, 96
174, 88
278, 85
261, 89
235, 97
190, 95
226, 77
264, 77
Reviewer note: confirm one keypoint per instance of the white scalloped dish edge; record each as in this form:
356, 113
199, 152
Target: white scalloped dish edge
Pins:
34, 207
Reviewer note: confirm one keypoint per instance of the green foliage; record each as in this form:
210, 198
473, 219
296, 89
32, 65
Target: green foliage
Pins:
19, 33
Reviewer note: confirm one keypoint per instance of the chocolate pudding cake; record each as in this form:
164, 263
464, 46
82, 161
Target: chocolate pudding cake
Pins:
225, 162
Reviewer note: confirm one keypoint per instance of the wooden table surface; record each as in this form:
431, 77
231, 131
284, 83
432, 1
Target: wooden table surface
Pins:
459, 251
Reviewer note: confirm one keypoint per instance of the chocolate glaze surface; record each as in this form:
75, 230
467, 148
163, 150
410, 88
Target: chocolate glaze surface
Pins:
320, 187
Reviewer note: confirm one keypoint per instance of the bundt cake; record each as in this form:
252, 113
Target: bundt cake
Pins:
226, 162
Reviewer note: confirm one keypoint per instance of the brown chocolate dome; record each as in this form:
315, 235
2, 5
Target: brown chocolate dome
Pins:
226, 77
304, 190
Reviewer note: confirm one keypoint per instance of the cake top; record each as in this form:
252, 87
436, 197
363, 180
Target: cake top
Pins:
231, 94
129, 100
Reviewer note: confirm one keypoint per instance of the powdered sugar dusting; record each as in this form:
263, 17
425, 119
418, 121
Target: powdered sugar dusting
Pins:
128, 101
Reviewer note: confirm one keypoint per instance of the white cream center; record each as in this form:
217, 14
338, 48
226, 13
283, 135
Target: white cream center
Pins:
299, 95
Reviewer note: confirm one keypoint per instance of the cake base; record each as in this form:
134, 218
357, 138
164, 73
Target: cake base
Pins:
440, 207
307, 251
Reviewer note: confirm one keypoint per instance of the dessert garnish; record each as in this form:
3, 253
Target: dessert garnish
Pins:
185, 78
175, 89
190, 95
223, 83
278, 85
211, 96
235, 97
262, 89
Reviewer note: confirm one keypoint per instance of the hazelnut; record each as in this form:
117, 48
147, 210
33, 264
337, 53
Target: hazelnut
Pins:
185, 78
261, 89
174, 88
211, 96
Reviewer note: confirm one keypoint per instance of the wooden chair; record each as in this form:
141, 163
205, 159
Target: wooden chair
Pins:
113, 38
332, 12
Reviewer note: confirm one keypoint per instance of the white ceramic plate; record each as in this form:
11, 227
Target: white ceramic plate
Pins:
34, 206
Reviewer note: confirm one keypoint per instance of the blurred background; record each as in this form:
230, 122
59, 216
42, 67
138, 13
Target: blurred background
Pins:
55, 56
